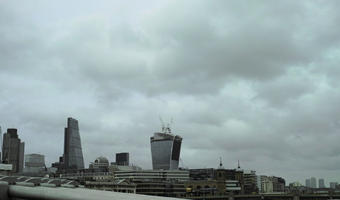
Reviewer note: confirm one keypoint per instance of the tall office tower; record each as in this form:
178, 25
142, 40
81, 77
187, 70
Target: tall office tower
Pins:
13, 150
165, 150
321, 183
308, 183
73, 154
313, 182
122, 159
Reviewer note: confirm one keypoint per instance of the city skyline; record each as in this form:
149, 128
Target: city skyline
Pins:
73, 124
255, 82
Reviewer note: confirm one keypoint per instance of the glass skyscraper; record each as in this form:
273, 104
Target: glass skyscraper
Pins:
13, 150
73, 154
165, 150
122, 159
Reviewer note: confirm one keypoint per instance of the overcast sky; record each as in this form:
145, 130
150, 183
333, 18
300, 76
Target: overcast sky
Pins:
255, 81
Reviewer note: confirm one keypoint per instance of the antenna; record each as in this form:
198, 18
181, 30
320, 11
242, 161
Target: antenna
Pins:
221, 165
238, 166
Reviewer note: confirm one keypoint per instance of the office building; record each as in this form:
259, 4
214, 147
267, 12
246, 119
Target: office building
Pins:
250, 182
165, 150
321, 183
267, 185
333, 185
59, 166
13, 150
229, 180
122, 159
308, 183
73, 155
34, 163
202, 174
153, 175
100, 163
313, 182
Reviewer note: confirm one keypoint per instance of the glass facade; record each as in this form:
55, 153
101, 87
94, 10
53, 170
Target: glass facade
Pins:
13, 150
73, 155
122, 159
165, 150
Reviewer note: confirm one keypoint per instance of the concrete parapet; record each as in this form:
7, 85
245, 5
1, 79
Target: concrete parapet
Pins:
4, 191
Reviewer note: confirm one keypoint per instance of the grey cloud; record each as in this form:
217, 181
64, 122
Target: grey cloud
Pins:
255, 82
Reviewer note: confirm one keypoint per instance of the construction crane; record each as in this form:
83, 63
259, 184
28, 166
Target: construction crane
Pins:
162, 123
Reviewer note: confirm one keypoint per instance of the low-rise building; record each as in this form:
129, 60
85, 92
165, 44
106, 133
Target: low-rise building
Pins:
271, 184
153, 175
115, 186
250, 182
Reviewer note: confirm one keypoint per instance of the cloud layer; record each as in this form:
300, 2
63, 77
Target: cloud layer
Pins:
255, 82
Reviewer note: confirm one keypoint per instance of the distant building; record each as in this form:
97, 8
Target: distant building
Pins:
250, 182
34, 163
279, 184
153, 175
267, 185
109, 185
271, 184
13, 150
59, 166
100, 163
115, 167
202, 174
295, 184
313, 182
156, 182
321, 183
229, 181
308, 183
333, 185
6, 169
122, 159
259, 183
73, 154
165, 150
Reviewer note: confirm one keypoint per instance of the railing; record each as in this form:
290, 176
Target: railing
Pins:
8, 192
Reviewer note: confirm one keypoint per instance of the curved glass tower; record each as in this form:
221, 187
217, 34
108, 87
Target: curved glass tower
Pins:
73, 154
165, 150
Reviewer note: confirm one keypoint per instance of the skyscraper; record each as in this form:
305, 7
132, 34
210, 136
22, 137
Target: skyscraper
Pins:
313, 182
73, 154
122, 159
321, 183
308, 183
165, 150
13, 150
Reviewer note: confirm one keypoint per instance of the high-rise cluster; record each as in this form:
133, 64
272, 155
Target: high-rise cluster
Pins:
311, 183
